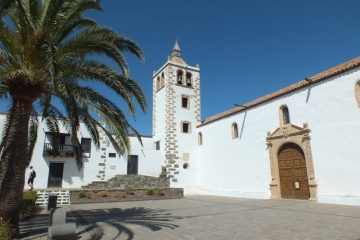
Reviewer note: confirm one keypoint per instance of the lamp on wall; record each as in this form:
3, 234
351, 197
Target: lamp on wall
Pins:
239, 105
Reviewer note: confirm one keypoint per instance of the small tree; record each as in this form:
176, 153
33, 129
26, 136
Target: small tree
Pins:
48, 50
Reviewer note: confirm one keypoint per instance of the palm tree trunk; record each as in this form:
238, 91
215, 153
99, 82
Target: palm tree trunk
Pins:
13, 164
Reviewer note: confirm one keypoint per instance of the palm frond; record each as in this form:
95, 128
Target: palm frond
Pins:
91, 125
75, 26
48, 50
5, 130
32, 134
125, 87
4, 5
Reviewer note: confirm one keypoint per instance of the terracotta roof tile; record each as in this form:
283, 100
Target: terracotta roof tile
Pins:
303, 83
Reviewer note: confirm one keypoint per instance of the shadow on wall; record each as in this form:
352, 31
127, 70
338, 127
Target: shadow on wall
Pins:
74, 172
93, 222
308, 93
243, 124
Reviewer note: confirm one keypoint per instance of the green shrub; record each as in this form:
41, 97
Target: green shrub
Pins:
30, 196
27, 204
83, 194
129, 190
103, 194
4, 230
150, 191
160, 192
121, 195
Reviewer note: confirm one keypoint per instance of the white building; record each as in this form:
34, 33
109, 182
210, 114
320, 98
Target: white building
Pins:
299, 142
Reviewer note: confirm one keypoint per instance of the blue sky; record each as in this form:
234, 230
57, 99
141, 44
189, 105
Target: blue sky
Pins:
245, 49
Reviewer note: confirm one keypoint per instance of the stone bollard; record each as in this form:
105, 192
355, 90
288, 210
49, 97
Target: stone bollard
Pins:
59, 229
66, 231
58, 216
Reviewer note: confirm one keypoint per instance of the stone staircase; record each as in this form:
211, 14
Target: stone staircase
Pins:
133, 181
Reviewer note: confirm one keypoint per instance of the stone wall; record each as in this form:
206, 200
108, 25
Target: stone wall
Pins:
133, 181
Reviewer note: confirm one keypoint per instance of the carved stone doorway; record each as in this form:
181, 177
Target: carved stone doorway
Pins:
292, 171
287, 145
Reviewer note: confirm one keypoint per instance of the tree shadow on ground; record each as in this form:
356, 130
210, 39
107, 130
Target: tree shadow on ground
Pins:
92, 222
34, 227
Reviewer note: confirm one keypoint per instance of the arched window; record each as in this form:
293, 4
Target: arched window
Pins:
357, 93
158, 84
284, 115
188, 79
200, 139
162, 80
179, 77
235, 131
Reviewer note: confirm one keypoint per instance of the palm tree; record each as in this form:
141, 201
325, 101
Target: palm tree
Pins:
50, 50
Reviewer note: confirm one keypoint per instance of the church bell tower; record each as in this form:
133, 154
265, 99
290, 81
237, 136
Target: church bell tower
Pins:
176, 113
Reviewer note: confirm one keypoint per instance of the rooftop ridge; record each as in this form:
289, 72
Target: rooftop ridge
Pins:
338, 69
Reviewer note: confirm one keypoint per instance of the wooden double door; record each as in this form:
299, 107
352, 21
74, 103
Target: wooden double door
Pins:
56, 171
293, 173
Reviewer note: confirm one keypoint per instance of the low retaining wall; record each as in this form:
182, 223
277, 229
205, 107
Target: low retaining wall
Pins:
119, 195
63, 197
131, 181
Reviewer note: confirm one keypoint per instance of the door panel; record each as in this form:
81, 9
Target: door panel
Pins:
132, 164
293, 173
56, 171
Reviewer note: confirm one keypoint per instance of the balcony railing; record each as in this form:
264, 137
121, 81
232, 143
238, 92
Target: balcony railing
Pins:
62, 150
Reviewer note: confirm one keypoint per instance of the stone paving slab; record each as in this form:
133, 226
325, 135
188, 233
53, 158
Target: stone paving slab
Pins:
207, 217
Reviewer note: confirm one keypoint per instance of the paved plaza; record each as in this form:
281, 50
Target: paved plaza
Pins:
206, 217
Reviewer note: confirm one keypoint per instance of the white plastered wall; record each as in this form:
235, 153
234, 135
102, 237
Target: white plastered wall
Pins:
240, 167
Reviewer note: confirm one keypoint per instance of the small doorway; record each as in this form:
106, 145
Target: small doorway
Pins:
293, 173
132, 164
56, 171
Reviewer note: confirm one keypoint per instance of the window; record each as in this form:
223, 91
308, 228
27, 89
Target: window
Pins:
162, 80
157, 145
357, 93
158, 84
188, 79
200, 139
235, 131
179, 77
185, 102
112, 155
284, 115
132, 167
185, 127
86, 145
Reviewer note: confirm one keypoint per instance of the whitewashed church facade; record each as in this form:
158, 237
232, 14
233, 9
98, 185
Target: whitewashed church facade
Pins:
301, 142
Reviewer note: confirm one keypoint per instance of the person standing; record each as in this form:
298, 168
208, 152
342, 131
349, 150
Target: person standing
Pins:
32, 175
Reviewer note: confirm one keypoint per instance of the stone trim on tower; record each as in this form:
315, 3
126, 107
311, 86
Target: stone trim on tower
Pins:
171, 142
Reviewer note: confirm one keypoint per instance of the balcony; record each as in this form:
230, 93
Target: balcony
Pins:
62, 150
